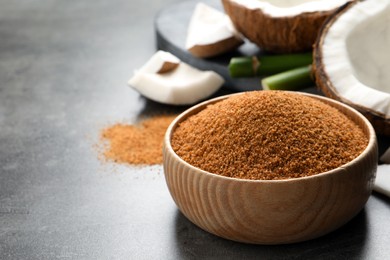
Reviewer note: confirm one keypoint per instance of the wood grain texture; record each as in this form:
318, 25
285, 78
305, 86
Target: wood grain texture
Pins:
277, 34
271, 212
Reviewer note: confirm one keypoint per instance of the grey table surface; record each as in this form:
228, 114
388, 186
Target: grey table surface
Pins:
63, 72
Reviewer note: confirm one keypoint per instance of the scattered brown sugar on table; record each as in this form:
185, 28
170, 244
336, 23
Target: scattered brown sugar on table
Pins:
137, 144
268, 135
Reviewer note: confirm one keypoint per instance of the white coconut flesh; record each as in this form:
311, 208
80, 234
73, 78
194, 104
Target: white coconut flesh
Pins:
182, 85
382, 180
209, 26
283, 8
386, 156
356, 55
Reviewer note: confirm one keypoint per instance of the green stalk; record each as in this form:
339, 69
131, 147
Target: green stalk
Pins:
270, 65
267, 65
242, 67
294, 79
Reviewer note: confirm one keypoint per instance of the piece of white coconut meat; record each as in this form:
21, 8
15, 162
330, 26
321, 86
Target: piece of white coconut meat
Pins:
356, 55
385, 157
284, 8
182, 85
382, 180
211, 32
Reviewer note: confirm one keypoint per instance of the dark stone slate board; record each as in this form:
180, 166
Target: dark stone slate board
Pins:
171, 31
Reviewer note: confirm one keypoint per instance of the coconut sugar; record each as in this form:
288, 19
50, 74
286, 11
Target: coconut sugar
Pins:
139, 144
268, 135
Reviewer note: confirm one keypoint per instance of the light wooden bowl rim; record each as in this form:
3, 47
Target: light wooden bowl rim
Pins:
334, 103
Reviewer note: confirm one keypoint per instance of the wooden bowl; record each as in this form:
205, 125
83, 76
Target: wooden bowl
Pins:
271, 211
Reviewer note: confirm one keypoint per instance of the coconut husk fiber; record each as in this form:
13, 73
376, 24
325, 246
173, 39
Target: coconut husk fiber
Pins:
276, 34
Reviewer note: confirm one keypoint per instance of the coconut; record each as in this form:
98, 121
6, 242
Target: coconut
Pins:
382, 180
166, 79
351, 60
211, 33
281, 26
161, 62
385, 157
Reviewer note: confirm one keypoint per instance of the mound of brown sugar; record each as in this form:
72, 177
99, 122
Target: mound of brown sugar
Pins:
268, 135
137, 144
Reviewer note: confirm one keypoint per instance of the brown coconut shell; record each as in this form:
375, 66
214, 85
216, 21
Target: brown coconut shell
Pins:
217, 48
377, 119
277, 34
167, 67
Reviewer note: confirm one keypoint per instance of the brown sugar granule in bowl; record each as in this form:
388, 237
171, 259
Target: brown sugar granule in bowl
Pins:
266, 135
137, 144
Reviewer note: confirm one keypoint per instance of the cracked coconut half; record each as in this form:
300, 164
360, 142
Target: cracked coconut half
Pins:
351, 60
281, 26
